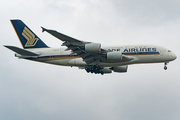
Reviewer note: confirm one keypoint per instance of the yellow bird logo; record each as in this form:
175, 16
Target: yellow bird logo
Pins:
30, 37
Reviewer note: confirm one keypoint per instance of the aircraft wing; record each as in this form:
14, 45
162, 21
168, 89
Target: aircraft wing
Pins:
60, 36
91, 53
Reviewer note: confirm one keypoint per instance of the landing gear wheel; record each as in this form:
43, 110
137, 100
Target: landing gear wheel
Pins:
165, 67
94, 69
102, 73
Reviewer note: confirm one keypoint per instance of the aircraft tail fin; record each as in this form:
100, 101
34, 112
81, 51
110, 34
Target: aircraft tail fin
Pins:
27, 37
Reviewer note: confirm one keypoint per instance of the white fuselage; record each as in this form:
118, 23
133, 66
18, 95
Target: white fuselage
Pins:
140, 54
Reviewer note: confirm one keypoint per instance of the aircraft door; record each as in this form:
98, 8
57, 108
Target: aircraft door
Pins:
60, 51
161, 52
136, 50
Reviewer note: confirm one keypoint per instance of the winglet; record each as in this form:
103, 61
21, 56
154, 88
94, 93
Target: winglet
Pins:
43, 29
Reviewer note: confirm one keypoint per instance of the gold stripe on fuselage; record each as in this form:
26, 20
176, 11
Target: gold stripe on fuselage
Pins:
43, 59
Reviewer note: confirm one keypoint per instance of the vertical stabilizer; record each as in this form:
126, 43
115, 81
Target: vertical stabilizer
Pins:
27, 37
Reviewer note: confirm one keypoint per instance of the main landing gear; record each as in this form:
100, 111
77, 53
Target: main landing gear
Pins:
94, 69
165, 67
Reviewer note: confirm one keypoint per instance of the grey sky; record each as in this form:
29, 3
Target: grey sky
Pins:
31, 90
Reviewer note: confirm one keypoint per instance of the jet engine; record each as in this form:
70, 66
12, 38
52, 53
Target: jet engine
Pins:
93, 47
115, 56
106, 70
120, 68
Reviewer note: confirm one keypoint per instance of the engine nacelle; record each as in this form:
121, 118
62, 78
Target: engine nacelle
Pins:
106, 70
116, 55
120, 68
93, 47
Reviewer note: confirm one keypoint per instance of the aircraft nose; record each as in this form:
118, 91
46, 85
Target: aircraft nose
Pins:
174, 56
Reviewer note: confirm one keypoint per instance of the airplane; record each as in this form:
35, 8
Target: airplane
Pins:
86, 55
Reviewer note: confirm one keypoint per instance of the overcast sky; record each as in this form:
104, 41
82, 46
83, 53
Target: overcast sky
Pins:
34, 91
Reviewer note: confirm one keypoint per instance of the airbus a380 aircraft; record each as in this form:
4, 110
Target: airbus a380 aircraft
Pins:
86, 55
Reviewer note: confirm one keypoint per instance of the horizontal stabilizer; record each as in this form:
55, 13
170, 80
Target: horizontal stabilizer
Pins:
21, 51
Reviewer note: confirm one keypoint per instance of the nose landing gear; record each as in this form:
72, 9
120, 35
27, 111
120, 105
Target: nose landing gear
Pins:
165, 67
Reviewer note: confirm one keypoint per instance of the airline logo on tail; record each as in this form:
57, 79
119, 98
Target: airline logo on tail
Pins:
30, 37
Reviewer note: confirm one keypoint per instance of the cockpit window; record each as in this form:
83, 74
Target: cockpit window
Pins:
169, 50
